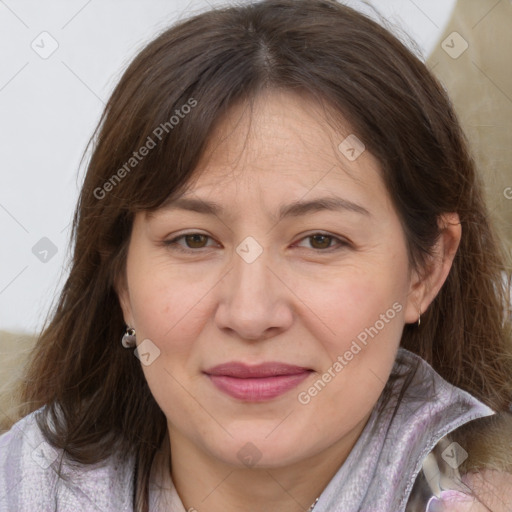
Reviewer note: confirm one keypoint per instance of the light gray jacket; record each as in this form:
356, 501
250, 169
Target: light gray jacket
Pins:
377, 476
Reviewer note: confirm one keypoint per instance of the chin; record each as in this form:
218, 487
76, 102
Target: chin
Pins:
258, 449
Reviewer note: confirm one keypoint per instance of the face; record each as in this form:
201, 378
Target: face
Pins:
320, 293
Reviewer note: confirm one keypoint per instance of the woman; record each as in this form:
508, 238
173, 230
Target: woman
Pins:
281, 215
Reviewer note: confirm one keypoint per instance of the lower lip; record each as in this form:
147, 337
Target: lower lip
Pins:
257, 389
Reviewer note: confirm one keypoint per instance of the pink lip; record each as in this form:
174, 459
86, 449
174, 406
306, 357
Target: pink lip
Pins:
256, 383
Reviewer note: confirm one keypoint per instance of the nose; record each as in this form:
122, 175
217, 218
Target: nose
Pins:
254, 299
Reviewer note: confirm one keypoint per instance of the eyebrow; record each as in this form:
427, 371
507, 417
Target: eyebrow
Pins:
295, 209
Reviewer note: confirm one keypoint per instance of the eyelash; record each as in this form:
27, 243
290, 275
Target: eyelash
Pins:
173, 243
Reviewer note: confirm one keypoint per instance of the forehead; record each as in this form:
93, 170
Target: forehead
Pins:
284, 144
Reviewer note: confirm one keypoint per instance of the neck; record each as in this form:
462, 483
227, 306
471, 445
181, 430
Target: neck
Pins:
204, 482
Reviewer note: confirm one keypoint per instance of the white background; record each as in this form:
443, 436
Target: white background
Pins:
50, 107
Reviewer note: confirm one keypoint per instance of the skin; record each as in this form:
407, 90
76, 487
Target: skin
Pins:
302, 301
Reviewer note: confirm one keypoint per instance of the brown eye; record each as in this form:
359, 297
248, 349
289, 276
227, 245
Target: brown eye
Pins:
321, 241
195, 241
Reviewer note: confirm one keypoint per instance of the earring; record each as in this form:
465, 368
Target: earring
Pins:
419, 317
128, 339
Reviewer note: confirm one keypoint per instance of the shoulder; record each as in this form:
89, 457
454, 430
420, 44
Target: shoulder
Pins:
428, 409
24, 463
431, 393
34, 476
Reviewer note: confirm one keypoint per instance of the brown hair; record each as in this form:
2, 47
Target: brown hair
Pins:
94, 389
487, 441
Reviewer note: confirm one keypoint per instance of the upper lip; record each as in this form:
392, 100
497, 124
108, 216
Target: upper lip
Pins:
245, 371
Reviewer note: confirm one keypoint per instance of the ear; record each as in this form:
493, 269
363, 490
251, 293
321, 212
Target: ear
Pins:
426, 285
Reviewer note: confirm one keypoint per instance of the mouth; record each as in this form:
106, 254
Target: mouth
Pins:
256, 383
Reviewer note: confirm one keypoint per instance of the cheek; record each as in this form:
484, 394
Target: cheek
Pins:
168, 310
360, 305
167, 306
